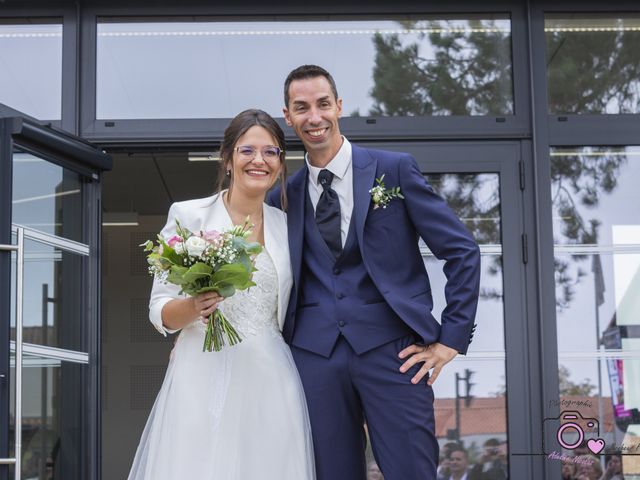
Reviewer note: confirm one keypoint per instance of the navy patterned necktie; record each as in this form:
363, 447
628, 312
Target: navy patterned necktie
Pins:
328, 214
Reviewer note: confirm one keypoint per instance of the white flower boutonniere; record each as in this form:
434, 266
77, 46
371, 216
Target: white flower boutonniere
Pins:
381, 196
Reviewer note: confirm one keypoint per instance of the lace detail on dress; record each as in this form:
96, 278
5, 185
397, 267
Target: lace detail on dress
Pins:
255, 310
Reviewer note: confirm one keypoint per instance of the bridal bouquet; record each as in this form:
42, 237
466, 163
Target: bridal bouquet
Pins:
210, 261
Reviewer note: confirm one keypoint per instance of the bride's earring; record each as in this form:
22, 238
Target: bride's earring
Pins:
228, 173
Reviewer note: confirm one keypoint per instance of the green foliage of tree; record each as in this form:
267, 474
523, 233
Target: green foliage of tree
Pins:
468, 71
476, 199
568, 388
593, 72
578, 184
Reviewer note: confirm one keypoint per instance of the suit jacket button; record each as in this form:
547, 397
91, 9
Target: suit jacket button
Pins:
340, 296
341, 323
336, 271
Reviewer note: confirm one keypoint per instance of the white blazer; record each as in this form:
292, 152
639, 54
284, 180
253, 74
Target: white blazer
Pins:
210, 214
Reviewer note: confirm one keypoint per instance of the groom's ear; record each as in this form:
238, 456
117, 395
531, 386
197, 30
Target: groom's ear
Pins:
287, 117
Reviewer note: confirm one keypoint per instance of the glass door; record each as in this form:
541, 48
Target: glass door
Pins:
49, 227
480, 182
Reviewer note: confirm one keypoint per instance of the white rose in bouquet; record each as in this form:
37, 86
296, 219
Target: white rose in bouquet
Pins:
205, 262
195, 246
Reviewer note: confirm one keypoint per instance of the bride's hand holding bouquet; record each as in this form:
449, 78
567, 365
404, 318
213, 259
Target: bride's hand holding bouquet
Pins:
202, 262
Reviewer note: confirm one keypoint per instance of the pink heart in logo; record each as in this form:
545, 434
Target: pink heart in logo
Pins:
595, 446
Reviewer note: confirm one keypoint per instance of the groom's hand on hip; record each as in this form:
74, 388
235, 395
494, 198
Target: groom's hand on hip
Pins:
434, 356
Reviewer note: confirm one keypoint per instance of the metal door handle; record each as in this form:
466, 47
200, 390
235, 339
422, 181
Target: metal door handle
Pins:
19, 249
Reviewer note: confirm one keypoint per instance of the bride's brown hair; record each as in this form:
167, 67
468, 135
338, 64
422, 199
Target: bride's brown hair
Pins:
238, 127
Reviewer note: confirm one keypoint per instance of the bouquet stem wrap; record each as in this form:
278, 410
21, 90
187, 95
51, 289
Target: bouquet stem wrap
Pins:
219, 333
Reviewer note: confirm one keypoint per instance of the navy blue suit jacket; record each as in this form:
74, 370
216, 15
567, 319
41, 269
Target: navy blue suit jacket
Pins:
388, 241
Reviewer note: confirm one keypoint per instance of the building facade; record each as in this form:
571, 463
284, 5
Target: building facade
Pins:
524, 115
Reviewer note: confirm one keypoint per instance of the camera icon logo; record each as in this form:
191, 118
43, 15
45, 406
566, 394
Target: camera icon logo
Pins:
572, 432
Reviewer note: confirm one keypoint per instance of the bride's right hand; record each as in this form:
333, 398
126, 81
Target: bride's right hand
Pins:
205, 304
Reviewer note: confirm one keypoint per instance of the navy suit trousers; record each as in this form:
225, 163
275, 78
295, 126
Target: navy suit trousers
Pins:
346, 390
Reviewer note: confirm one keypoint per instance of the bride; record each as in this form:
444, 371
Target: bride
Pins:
239, 413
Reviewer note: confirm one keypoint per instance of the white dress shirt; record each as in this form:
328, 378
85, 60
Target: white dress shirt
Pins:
342, 169
463, 477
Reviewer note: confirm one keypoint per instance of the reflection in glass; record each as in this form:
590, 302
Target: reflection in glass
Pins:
53, 431
31, 59
597, 267
52, 298
410, 66
46, 197
475, 198
593, 63
481, 420
470, 394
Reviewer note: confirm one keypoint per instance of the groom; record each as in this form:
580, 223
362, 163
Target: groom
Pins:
359, 320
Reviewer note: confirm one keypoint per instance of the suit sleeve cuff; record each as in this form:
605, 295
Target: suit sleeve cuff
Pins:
454, 339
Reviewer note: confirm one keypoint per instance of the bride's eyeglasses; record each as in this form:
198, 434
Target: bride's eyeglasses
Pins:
248, 152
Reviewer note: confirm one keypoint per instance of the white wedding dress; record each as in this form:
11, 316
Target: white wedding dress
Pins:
237, 414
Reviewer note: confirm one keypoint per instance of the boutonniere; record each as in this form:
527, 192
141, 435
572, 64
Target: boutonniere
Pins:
381, 196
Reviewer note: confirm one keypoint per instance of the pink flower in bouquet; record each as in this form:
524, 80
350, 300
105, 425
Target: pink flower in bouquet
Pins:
213, 237
173, 240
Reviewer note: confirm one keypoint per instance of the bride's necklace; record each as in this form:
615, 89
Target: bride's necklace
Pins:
255, 219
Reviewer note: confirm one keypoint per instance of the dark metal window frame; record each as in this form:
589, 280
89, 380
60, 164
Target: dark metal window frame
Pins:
557, 131
583, 129
69, 18
22, 132
506, 159
536, 130
197, 131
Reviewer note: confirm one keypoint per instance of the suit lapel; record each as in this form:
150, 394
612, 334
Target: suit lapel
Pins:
364, 174
295, 217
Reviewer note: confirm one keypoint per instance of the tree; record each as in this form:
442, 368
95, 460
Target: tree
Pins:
476, 199
591, 72
468, 72
568, 388
571, 389
578, 183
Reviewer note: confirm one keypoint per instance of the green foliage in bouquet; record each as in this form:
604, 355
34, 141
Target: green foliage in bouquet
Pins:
211, 261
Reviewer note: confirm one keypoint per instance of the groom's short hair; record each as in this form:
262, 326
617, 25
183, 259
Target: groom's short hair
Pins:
308, 71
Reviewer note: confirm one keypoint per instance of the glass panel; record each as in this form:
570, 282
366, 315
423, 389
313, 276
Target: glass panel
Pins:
593, 63
597, 267
475, 198
31, 59
52, 298
480, 423
408, 66
46, 197
53, 423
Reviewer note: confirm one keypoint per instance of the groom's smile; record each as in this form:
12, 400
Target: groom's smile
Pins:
317, 133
